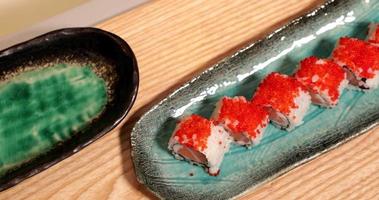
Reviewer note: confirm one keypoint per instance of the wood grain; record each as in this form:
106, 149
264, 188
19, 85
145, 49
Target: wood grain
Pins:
173, 41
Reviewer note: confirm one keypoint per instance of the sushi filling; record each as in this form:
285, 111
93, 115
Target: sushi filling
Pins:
207, 148
278, 118
321, 99
362, 82
187, 153
244, 121
296, 115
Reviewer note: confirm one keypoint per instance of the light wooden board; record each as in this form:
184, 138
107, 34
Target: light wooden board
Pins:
173, 41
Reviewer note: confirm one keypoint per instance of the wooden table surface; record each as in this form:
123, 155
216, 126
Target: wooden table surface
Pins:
173, 41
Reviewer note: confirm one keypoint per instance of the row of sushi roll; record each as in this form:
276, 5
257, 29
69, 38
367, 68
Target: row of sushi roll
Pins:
281, 99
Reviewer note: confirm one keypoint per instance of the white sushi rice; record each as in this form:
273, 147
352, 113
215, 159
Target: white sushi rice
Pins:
296, 115
343, 85
373, 83
259, 136
217, 145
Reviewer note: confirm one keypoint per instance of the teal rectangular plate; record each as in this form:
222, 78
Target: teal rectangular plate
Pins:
279, 151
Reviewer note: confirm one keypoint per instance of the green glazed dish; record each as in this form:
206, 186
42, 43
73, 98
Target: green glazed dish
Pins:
59, 92
279, 151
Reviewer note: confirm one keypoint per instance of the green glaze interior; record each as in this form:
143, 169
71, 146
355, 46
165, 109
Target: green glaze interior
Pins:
240, 74
43, 107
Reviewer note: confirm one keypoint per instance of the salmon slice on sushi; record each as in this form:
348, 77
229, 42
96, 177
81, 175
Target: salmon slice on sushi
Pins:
244, 121
360, 60
198, 140
324, 79
285, 99
373, 33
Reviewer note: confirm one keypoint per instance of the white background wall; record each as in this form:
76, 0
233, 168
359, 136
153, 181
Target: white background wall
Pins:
25, 19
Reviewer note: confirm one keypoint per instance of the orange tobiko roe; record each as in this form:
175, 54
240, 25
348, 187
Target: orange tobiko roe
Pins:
278, 91
242, 116
359, 56
321, 75
193, 132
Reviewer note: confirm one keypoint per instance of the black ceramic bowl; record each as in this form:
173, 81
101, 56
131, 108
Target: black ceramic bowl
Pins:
79, 45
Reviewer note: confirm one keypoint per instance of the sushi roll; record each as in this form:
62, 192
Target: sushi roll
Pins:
244, 121
285, 99
198, 140
324, 79
373, 33
360, 60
